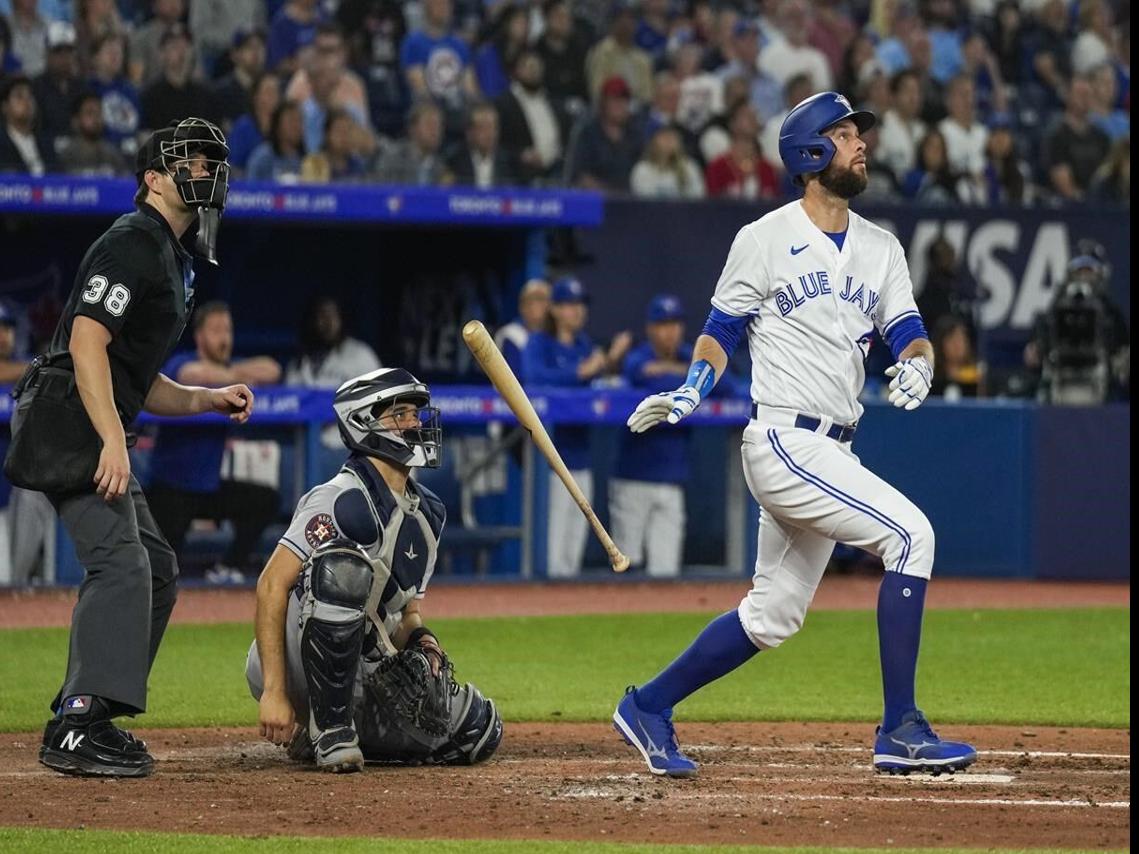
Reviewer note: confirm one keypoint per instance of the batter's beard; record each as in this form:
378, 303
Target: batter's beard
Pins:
844, 183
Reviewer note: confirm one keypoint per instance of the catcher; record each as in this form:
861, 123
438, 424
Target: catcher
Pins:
343, 667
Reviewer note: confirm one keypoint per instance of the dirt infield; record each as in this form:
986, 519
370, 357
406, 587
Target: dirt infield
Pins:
771, 784
21, 609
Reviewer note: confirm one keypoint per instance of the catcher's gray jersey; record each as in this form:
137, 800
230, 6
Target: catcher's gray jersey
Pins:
400, 533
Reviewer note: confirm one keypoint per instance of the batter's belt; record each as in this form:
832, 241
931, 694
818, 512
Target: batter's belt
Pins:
777, 416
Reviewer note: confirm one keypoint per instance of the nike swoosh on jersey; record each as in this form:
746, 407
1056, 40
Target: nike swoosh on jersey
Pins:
795, 251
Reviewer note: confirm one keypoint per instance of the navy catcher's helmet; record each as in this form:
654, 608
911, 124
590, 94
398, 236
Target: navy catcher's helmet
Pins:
802, 145
361, 404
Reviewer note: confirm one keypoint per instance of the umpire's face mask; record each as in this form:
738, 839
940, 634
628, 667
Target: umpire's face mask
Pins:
197, 160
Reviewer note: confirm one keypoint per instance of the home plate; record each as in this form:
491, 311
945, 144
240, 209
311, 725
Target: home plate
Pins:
955, 779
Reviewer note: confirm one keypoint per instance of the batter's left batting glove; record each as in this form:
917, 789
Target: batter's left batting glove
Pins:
911, 381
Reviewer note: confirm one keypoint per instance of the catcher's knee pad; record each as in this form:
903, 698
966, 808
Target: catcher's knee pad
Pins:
477, 734
338, 579
774, 609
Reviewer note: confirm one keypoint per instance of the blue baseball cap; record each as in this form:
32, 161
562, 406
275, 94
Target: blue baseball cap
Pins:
569, 289
664, 308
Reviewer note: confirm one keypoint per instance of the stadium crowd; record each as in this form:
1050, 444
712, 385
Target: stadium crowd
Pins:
980, 101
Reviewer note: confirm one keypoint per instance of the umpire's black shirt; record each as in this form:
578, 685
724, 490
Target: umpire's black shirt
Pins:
136, 280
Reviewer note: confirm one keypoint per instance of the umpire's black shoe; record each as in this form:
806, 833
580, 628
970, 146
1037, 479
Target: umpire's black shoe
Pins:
93, 749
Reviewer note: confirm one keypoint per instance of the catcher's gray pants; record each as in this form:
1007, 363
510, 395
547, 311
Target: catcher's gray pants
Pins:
125, 600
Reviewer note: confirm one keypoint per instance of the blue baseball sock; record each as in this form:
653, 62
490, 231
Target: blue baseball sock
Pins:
901, 599
719, 649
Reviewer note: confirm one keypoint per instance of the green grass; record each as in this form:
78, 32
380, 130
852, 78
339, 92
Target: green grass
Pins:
83, 841
1063, 667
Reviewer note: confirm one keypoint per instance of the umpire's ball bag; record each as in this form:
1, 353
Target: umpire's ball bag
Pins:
54, 448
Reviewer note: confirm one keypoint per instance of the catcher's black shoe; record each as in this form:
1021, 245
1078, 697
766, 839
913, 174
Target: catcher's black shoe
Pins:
93, 749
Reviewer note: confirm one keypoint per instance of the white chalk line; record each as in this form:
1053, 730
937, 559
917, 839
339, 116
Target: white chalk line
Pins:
811, 748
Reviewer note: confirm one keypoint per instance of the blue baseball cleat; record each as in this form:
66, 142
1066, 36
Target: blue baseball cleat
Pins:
654, 736
914, 746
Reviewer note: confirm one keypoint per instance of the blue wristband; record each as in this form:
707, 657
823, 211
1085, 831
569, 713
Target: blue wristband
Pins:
702, 377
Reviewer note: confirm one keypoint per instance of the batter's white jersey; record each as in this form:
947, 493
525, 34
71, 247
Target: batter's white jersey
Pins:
813, 307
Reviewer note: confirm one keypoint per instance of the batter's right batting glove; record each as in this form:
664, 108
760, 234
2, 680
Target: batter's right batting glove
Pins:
668, 406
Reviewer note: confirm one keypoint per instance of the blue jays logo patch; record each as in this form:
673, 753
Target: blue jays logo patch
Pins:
319, 530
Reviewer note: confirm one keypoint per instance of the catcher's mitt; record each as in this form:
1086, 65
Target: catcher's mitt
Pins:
406, 685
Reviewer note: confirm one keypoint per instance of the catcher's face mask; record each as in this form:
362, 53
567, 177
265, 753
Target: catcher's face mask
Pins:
194, 153
388, 414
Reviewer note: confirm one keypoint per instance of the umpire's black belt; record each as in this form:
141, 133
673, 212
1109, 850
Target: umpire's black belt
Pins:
787, 417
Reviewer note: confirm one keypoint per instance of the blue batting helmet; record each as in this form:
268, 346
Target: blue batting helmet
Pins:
802, 145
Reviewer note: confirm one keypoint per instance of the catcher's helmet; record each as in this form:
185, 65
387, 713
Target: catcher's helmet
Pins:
802, 145
362, 412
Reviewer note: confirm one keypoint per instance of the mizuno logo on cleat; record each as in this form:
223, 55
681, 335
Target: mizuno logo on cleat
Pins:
650, 747
913, 749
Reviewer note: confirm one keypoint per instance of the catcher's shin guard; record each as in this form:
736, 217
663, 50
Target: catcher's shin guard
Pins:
338, 578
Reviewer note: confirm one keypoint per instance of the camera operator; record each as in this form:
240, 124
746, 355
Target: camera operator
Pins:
1080, 346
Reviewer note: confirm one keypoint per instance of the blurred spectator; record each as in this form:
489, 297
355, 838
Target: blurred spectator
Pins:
279, 157
831, 31
508, 38
797, 90
881, 182
121, 106
948, 291
328, 356
437, 63
1104, 112
95, 21
782, 60
8, 63
1112, 181
339, 158
981, 67
1096, 43
373, 30
901, 127
175, 94
956, 371
252, 129
416, 161
719, 52
12, 364
943, 26
326, 83
233, 94
531, 125
617, 55
608, 147
186, 465
1008, 37
903, 28
146, 44
742, 172
662, 109
860, 52
653, 27
216, 24
873, 90
564, 355
701, 92
56, 88
715, 138
292, 28
87, 151
932, 181
1075, 148
646, 492
666, 171
480, 161
1048, 51
563, 50
764, 91
965, 137
1008, 179
21, 148
28, 37
533, 308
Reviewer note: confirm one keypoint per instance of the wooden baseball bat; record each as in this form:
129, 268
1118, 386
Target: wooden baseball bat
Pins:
483, 348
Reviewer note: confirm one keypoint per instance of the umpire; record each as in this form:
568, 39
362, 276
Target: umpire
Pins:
131, 300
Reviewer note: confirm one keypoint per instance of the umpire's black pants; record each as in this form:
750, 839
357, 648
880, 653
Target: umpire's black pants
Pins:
125, 600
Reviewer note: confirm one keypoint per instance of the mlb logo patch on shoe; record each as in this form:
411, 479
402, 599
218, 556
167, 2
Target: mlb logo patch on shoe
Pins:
77, 704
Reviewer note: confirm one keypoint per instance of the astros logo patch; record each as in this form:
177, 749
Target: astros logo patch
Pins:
320, 529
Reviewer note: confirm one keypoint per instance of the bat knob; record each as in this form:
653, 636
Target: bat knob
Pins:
620, 563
